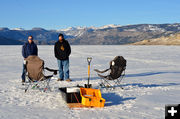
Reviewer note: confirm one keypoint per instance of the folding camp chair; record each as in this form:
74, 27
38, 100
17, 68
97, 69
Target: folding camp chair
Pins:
35, 77
117, 72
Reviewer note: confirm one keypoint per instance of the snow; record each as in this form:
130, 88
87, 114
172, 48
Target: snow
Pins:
155, 28
151, 82
91, 27
72, 29
133, 30
79, 31
18, 29
109, 26
152, 28
68, 29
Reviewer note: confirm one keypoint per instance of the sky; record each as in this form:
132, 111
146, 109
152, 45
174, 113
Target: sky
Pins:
60, 14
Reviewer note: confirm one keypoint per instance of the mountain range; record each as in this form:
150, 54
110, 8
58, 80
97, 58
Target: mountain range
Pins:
173, 39
105, 35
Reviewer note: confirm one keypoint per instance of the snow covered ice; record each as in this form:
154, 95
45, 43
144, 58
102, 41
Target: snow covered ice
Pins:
152, 81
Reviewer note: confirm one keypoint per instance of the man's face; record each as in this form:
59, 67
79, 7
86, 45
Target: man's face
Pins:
30, 39
60, 38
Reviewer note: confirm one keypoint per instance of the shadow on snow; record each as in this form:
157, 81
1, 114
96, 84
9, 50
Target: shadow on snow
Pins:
150, 74
150, 85
131, 75
114, 99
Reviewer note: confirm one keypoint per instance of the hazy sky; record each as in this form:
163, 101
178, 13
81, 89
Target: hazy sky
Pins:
58, 14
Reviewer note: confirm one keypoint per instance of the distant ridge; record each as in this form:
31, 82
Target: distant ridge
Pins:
173, 39
105, 35
6, 41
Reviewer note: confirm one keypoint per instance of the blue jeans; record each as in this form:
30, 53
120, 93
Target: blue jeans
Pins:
63, 69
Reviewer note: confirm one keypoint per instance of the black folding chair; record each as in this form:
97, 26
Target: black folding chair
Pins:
117, 72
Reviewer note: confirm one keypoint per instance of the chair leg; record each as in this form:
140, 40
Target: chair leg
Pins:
41, 85
27, 87
47, 87
118, 82
28, 83
106, 84
102, 83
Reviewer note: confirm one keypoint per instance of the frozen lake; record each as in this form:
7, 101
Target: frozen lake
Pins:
152, 80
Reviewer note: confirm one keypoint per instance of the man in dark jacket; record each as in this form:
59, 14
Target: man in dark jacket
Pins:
29, 48
62, 50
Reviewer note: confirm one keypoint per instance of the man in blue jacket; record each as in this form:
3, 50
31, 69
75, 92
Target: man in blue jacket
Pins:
29, 48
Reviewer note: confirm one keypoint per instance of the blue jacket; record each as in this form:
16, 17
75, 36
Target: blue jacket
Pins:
29, 49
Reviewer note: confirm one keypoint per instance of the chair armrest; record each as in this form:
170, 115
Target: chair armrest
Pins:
51, 70
96, 70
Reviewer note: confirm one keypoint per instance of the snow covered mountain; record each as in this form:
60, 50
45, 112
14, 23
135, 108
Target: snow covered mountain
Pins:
105, 35
111, 35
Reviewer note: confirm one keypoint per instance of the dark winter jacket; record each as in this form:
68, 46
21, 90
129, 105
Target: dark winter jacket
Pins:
62, 50
29, 49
